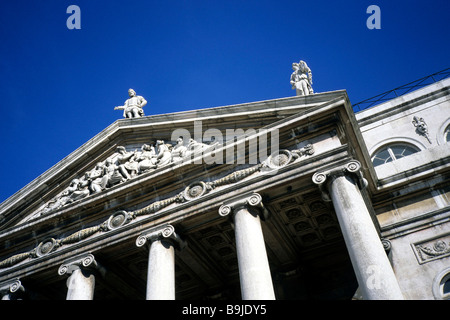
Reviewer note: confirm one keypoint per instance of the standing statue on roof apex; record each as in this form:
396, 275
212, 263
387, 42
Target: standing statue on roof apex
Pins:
132, 108
301, 79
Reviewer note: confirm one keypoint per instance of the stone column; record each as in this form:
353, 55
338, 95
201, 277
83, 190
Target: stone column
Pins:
81, 282
373, 270
10, 289
254, 272
161, 261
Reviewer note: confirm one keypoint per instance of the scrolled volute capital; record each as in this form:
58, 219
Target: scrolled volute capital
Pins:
164, 232
351, 168
11, 286
84, 261
247, 201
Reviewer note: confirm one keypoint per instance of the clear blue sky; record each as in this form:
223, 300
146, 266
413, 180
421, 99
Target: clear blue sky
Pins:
58, 87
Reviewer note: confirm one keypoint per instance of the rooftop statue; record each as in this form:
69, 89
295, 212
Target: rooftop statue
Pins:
301, 79
132, 107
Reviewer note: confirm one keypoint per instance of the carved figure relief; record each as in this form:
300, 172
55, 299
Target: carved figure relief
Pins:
432, 250
124, 165
421, 127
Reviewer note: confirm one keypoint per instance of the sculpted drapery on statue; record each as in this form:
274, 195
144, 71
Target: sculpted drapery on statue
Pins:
301, 79
132, 107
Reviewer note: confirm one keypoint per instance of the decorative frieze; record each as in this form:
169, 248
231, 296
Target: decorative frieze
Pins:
432, 249
123, 166
192, 192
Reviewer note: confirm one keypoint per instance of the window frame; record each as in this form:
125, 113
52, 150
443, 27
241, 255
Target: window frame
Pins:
392, 155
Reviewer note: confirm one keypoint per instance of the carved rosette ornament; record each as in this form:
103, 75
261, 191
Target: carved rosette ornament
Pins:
282, 158
352, 168
118, 219
164, 232
46, 247
195, 190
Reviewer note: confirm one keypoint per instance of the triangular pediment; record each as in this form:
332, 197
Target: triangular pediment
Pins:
134, 150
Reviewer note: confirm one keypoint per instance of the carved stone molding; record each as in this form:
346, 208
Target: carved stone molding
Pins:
85, 261
164, 232
421, 127
248, 201
352, 168
433, 249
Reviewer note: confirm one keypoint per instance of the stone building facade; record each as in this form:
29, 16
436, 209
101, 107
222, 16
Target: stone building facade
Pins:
291, 198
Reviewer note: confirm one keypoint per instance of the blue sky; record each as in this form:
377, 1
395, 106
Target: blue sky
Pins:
58, 87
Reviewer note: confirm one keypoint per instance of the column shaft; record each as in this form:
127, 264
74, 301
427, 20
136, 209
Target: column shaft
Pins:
161, 261
161, 271
80, 285
370, 262
254, 271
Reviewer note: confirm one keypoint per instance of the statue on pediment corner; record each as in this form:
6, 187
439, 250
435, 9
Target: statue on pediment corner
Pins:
301, 79
133, 107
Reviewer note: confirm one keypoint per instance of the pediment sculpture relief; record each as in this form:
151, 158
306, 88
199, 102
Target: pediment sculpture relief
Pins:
122, 166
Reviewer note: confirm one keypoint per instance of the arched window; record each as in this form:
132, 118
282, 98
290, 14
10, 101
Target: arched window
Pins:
392, 152
447, 134
441, 285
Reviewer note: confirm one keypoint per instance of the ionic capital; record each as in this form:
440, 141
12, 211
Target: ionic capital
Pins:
83, 261
248, 201
352, 169
163, 232
11, 286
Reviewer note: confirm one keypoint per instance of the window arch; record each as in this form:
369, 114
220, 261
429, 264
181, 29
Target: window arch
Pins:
441, 285
392, 152
447, 133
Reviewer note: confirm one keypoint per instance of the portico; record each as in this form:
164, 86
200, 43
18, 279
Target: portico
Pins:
281, 228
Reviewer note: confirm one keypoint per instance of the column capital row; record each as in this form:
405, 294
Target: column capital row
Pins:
248, 200
351, 168
162, 232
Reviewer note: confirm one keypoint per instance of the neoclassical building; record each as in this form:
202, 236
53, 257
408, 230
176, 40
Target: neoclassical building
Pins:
290, 198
